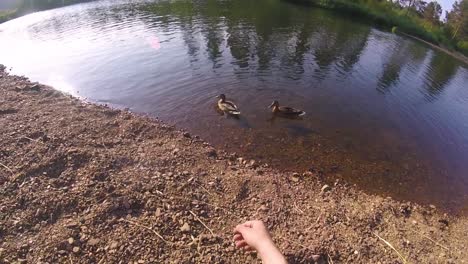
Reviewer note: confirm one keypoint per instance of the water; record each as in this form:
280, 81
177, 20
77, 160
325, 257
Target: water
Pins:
383, 112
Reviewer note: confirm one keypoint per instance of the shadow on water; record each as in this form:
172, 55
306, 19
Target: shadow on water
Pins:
365, 91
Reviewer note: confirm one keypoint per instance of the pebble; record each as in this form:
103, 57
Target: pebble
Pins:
113, 245
71, 240
211, 153
187, 135
185, 228
294, 179
316, 258
263, 208
93, 241
76, 249
158, 212
326, 188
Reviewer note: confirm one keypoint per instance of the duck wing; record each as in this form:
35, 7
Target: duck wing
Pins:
290, 110
230, 107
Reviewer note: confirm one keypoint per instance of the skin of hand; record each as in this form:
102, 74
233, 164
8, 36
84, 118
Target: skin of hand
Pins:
253, 235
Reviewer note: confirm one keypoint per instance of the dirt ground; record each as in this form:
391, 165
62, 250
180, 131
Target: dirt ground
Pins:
82, 183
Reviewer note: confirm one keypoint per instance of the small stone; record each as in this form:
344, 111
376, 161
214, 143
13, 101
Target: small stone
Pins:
433, 207
294, 179
263, 208
93, 241
185, 228
175, 151
356, 252
326, 188
113, 245
316, 258
158, 212
141, 261
414, 222
72, 225
71, 240
212, 153
76, 249
187, 135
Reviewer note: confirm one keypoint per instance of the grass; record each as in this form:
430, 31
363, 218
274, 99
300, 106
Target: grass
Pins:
7, 15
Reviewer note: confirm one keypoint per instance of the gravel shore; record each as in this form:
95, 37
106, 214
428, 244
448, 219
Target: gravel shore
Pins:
83, 183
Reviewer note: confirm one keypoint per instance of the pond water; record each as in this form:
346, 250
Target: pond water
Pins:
383, 112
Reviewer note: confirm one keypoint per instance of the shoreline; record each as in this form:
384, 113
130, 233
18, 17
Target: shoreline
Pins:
455, 54
84, 183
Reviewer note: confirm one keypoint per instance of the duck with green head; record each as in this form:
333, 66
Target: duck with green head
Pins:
285, 110
227, 106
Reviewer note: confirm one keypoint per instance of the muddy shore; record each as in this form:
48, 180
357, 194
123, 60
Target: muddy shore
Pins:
83, 183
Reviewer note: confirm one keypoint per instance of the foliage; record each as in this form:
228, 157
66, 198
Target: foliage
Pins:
36, 5
28, 6
414, 17
6, 15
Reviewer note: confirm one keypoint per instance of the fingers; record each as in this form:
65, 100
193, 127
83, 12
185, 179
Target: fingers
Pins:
251, 223
248, 248
240, 228
241, 243
238, 237
247, 224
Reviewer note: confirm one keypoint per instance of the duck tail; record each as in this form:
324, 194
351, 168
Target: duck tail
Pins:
302, 113
235, 113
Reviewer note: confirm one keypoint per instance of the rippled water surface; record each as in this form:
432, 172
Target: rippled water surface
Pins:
383, 112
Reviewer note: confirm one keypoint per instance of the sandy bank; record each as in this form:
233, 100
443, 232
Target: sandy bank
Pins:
81, 183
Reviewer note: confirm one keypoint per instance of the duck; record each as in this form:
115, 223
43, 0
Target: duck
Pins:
285, 110
227, 106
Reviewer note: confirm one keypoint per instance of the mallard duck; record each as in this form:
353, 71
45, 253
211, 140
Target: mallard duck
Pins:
284, 110
227, 106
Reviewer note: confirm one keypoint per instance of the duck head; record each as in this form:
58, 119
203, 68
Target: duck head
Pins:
222, 97
274, 104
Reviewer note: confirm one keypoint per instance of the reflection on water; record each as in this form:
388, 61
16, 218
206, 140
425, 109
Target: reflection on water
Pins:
383, 112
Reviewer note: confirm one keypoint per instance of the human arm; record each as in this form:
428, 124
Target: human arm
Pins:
253, 235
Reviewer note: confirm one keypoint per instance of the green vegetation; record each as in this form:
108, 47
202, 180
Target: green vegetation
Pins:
7, 15
29, 6
414, 17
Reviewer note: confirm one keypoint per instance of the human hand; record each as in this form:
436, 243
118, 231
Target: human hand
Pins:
253, 235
